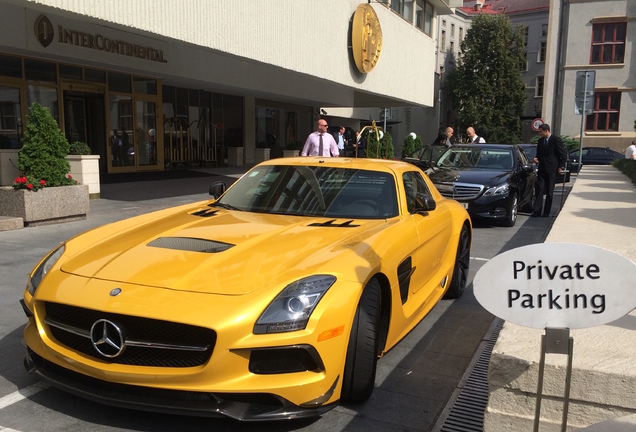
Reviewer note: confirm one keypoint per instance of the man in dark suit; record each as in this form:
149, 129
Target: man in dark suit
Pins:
551, 157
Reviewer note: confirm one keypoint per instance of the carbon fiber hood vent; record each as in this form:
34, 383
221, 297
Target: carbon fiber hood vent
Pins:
190, 244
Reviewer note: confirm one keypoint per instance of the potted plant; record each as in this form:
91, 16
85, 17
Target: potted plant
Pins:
84, 167
45, 191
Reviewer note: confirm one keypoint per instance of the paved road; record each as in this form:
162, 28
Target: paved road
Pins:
415, 383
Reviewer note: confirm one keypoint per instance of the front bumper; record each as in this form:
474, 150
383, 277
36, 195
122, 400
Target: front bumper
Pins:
495, 207
239, 406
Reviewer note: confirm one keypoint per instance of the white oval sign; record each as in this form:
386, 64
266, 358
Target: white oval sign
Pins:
557, 285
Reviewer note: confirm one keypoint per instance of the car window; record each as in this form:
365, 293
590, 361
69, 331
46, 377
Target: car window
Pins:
413, 184
477, 157
314, 191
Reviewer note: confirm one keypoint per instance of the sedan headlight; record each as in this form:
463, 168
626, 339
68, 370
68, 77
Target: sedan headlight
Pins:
291, 309
43, 269
498, 190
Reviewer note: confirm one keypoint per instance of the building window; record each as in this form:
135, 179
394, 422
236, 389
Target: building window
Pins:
608, 43
452, 47
443, 23
428, 19
538, 89
525, 36
544, 30
607, 107
541, 52
524, 62
452, 30
442, 43
461, 33
404, 8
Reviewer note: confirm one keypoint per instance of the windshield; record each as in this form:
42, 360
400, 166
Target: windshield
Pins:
477, 157
314, 191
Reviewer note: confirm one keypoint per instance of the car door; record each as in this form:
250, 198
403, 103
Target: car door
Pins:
525, 176
433, 235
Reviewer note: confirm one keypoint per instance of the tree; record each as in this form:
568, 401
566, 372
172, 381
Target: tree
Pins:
43, 155
486, 88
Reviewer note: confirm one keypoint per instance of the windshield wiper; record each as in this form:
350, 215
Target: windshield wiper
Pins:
226, 206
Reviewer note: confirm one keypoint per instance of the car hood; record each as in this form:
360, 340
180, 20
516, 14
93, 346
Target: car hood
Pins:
471, 175
213, 250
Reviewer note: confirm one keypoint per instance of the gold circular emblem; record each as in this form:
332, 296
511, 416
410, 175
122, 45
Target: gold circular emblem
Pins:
366, 38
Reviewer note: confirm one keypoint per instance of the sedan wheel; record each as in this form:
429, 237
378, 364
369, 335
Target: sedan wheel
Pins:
359, 373
511, 217
462, 262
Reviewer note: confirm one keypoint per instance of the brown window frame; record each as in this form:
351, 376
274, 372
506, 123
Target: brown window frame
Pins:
603, 113
609, 40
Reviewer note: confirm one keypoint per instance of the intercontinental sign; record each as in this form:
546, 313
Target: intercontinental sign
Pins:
44, 32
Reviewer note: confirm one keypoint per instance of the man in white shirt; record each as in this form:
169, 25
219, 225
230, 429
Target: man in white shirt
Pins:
320, 143
472, 136
630, 152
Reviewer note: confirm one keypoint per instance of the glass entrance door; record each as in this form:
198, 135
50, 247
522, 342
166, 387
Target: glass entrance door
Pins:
84, 121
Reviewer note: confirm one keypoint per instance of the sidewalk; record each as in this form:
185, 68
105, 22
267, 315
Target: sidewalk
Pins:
599, 211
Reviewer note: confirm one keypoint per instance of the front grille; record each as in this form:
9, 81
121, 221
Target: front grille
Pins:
461, 191
285, 360
149, 342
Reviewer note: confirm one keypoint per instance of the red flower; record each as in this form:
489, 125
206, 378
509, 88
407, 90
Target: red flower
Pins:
23, 180
30, 186
70, 176
42, 183
17, 180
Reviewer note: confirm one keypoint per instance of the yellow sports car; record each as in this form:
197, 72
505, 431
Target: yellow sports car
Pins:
273, 300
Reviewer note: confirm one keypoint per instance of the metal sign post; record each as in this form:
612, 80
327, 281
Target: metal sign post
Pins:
555, 341
585, 83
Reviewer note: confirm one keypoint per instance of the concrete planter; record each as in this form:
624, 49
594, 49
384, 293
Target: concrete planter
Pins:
291, 153
261, 154
235, 156
85, 169
45, 206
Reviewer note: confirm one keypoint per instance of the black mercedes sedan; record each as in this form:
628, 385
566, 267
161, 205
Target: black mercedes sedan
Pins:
492, 181
593, 156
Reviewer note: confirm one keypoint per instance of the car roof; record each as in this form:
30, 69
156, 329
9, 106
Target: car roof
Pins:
385, 165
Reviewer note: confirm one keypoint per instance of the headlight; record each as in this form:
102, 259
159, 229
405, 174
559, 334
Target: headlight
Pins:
498, 190
291, 309
43, 269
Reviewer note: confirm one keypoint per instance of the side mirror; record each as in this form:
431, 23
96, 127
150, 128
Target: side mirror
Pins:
425, 203
217, 189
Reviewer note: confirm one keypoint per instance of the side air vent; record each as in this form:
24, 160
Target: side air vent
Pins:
330, 223
190, 244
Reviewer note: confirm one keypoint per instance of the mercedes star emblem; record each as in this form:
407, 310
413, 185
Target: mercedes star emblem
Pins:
107, 338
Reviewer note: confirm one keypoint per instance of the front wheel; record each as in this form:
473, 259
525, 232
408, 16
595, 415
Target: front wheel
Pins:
362, 351
462, 262
511, 217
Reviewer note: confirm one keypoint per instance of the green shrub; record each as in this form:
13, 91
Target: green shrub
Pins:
79, 148
44, 150
627, 167
382, 151
411, 146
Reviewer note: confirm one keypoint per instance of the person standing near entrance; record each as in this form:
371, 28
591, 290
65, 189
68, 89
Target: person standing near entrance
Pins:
320, 143
473, 137
551, 157
340, 140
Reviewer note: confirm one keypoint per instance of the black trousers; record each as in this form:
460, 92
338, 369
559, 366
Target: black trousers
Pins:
544, 186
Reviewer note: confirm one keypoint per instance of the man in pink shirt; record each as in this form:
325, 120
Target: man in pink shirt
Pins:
320, 143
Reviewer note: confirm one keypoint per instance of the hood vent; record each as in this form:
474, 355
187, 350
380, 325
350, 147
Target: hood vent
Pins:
205, 213
190, 244
330, 223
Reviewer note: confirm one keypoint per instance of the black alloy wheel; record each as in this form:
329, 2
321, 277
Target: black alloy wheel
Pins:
362, 353
462, 263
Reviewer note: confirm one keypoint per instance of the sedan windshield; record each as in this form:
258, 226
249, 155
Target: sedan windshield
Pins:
477, 157
314, 191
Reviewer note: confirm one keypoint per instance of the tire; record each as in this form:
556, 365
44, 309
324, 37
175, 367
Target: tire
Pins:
362, 352
462, 263
511, 217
